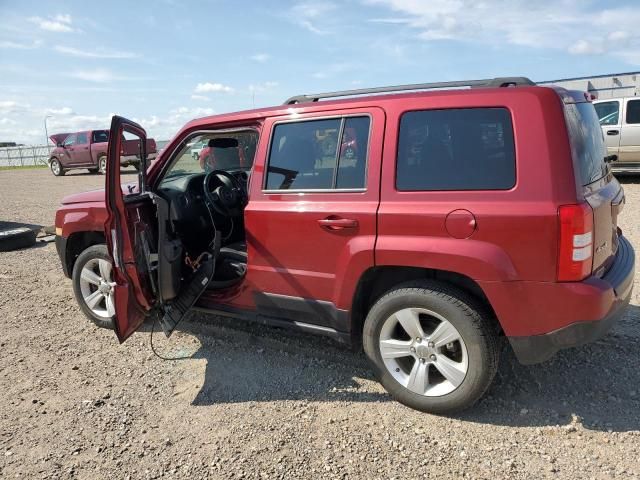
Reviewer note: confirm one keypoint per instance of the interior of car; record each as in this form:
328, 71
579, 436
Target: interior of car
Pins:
205, 199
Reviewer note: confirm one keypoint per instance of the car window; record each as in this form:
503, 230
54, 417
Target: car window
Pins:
456, 149
81, 138
608, 112
633, 111
100, 136
319, 154
70, 140
196, 156
587, 141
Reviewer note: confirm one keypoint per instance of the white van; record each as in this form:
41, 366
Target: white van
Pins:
620, 122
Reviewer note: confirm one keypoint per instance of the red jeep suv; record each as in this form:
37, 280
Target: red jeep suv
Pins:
427, 222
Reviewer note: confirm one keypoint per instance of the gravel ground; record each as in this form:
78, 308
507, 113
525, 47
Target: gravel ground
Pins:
256, 402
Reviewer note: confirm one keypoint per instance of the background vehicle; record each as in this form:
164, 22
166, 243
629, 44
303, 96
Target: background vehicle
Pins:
196, 150
620, 120
88, 150
440, 237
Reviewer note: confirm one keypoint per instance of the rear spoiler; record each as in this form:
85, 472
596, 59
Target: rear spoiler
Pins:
57, 138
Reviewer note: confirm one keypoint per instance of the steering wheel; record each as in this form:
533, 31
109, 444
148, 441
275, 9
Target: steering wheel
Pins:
225, 193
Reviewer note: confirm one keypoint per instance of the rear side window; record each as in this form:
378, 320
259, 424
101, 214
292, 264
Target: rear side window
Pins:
100, 136
633, 111
319, 154
456, 149
608, 112
587, 143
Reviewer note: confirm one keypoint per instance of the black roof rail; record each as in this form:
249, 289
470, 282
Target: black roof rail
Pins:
490, 82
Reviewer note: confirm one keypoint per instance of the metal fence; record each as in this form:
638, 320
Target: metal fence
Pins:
25, 155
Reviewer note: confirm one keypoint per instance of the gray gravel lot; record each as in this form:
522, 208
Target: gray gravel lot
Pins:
255, 402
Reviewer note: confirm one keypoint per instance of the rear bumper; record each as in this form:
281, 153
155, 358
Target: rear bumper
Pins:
616, 286
625, 167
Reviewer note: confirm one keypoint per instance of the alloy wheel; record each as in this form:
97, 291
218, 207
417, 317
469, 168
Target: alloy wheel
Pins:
96, 286
423, 351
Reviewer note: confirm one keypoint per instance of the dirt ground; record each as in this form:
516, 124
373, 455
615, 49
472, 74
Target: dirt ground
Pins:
256, 402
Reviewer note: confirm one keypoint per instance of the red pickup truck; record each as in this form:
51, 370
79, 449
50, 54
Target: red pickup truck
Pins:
88, 150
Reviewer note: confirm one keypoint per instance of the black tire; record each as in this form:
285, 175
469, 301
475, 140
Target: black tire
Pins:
94, 252
56, 167
16, 238
474, 324
102, 164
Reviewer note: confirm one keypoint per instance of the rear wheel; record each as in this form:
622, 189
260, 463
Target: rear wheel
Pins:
56, 167
93, 285
433, 346
102, 164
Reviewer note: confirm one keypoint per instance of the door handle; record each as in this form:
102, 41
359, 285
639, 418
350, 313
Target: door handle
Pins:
334, 223
613, 132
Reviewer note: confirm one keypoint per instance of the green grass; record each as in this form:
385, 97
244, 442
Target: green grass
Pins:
25, 167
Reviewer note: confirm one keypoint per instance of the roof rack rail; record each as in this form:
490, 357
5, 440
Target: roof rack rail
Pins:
490, 82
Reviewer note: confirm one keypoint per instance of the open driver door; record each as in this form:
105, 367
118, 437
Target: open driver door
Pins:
147, 258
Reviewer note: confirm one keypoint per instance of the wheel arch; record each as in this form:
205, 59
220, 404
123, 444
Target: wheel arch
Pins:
77, 243
376, 281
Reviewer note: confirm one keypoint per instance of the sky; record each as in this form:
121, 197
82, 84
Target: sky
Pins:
166, 62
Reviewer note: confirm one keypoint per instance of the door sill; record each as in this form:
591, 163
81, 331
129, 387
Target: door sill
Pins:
252, 316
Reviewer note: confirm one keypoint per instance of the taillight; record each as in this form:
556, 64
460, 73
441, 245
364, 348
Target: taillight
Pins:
575, 254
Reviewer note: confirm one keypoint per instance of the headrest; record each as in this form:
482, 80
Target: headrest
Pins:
223, 143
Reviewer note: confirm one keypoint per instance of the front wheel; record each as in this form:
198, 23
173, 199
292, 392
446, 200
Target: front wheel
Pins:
93, 285
432, 345
56, 167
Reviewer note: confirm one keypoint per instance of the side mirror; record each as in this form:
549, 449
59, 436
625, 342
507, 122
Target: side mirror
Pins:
611, 158
60, 144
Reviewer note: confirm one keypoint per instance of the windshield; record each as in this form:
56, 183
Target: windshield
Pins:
587, 142
229, 151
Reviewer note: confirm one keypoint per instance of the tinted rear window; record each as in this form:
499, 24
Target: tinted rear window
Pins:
100, 136
587, 142
456, 149
633, 111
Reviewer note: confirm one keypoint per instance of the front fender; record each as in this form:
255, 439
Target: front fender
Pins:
80, 218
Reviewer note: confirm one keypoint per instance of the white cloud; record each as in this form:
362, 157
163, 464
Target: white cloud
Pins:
59, 111
11, 106
7, 121
552, 24
212, 87
309, 15
98, 75
78, 122
200, 97
98, 53
262, 87
584, 47
260, 57
20, 46
59, 23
